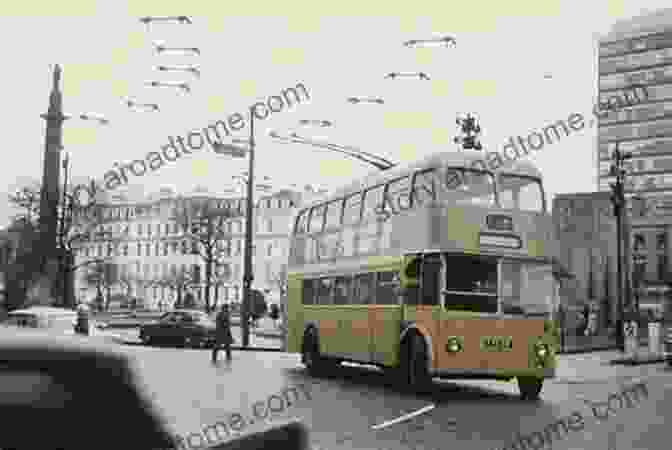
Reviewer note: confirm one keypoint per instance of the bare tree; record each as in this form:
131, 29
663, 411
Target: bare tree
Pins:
204, 226
79, 225
179, 281
27, 198
103, 275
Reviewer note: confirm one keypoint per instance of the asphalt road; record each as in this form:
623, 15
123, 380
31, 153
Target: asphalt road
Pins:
340, 410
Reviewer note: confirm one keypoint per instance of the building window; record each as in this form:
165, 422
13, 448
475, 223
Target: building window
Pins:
239, 247
196, 271
156, 249
661, 241
139, 229
640, 242
149, 229
175, 247
167, 229
662, 267
125, 249
158, 229
165, 249
175, 228
148, 250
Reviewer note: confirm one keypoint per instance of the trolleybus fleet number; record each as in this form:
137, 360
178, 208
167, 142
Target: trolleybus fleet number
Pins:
497, 343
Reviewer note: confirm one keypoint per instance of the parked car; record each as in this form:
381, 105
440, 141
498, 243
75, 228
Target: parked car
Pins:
60, 320
187, 327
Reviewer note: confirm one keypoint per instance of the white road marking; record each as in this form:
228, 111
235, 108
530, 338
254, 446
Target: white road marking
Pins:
404, 417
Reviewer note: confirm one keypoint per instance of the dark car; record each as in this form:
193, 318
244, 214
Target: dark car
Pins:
190, 328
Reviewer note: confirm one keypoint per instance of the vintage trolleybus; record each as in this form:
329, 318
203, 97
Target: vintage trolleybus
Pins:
437, 269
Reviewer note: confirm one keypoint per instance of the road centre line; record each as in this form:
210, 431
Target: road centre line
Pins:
404, 417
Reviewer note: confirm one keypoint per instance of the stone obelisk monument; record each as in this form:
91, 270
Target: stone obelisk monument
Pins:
49, 198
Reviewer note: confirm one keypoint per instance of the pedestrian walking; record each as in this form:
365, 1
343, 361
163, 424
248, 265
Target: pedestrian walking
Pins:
223, 333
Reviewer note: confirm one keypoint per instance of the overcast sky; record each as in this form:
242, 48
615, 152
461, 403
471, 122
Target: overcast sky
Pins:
253, 50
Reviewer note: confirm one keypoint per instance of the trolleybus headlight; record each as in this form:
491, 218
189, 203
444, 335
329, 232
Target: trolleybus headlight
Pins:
453, 345
541, 351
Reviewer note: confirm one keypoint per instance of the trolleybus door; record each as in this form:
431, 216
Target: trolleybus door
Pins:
422, 304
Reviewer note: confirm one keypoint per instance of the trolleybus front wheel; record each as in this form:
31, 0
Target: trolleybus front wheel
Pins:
311, 357
413, 370
530, 387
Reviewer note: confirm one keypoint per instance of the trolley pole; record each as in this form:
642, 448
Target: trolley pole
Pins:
248, 275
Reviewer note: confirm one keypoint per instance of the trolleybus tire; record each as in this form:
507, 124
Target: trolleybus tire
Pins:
530, 387
414, 374
314, 362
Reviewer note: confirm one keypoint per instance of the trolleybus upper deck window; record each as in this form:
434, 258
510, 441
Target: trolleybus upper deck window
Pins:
352, 211
520, 192
467, 186
316, 219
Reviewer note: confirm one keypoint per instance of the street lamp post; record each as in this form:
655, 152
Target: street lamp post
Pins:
618, 201
248, 276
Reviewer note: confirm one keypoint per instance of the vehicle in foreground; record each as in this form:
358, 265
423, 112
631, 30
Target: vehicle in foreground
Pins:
185, 327
437, 269
51, 397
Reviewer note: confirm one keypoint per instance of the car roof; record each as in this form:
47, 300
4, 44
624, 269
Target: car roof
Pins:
42, 311
188, 311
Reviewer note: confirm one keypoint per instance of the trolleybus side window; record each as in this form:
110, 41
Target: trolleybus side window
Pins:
316, 219
424, 187
309, 292
431, 279
325, 291
363, 284
373, 200
334, 212
471, 284
342, 293
352, 212
387, 288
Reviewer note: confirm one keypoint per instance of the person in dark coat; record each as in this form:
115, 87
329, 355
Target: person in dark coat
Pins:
223, 333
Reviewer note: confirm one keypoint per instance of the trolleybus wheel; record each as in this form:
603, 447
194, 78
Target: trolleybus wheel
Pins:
414, 372
530, 387
311, 353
